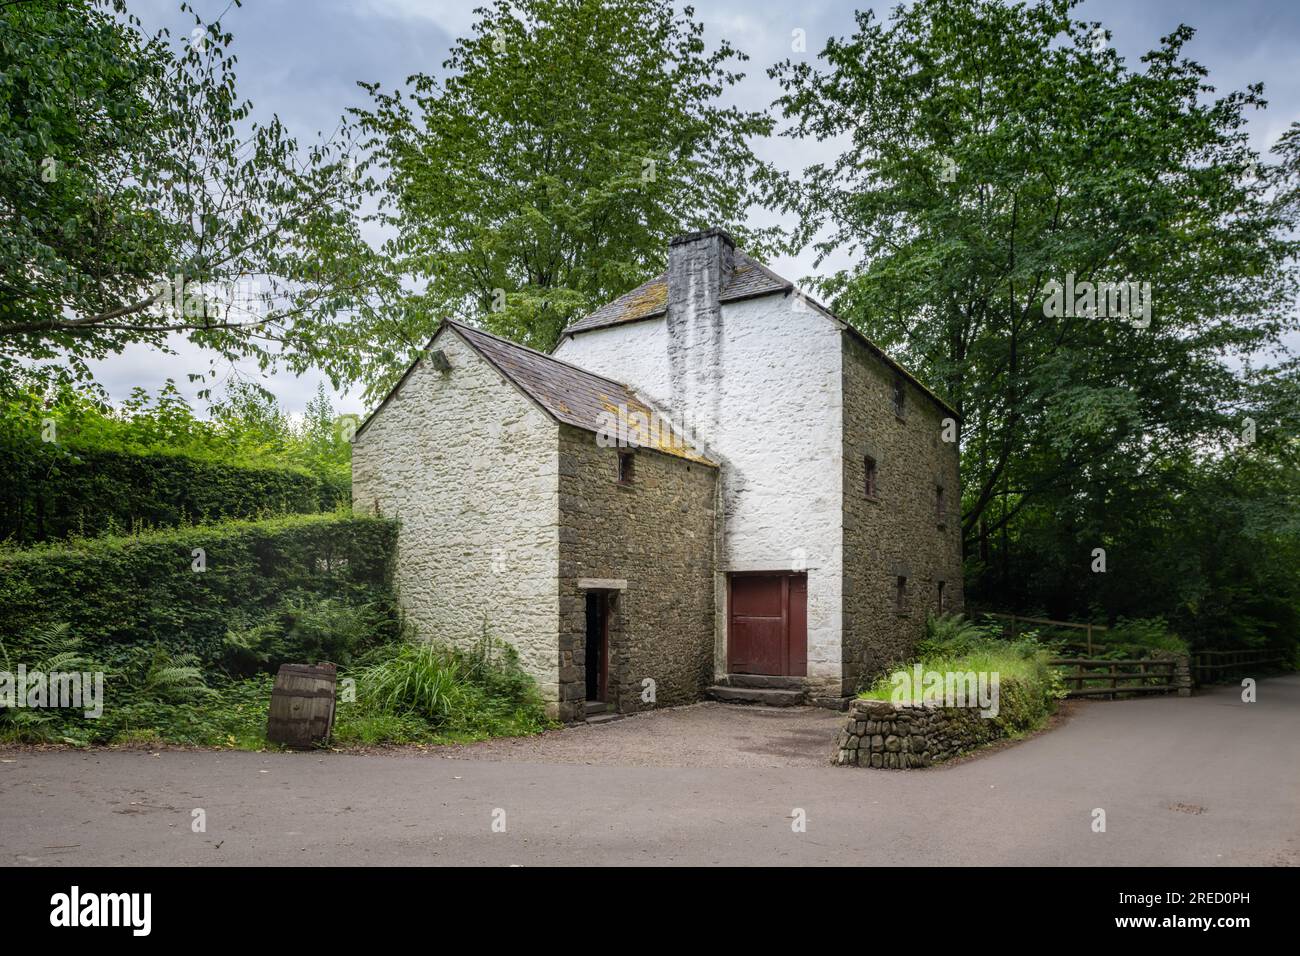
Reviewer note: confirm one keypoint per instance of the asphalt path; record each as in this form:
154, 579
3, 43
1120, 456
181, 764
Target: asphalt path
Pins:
1204, 780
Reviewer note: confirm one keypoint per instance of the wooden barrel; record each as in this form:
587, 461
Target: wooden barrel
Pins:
302, 705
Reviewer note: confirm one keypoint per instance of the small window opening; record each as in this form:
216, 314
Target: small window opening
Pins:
940, 505
871, 477
900, 396
942, 603
900, 595
626, 467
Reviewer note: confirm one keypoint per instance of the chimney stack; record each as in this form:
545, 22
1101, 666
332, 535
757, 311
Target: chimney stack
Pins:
699, 266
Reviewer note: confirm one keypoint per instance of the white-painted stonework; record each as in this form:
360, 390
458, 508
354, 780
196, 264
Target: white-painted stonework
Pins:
470, 467
764, 394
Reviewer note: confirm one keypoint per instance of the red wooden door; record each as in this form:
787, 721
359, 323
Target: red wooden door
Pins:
767, 624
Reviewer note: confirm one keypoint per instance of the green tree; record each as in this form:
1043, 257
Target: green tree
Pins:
993, 149
140, 199
544, 175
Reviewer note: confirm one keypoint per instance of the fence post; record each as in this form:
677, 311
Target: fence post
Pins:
1183, 675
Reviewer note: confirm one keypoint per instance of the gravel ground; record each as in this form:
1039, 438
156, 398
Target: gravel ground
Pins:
701, 735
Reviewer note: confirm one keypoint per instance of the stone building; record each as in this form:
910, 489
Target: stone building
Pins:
713, 482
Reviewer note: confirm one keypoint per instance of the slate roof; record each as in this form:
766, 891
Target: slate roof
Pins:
575, 396
748, 279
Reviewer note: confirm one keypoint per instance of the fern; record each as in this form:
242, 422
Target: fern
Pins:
169, 677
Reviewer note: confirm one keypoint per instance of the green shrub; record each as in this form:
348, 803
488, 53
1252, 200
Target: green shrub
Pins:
49, 649
1028, 686
954, 634
52, 492
452, 692
115, 593
187, 655
1142, 635
418, 678
147, 683
304, 628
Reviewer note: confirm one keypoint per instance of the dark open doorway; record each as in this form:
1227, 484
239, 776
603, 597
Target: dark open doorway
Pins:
597, 657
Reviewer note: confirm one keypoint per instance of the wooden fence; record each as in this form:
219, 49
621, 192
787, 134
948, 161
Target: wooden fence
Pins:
1210, 667
1016, 619
1108, 678
1095, 677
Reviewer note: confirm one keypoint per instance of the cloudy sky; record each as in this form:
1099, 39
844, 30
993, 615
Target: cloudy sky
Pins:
302, 59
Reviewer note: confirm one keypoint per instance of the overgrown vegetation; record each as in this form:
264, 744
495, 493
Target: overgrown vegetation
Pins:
983, 151
1028, 687
187, 589
187, 618
73, 466
406, 692
418, 691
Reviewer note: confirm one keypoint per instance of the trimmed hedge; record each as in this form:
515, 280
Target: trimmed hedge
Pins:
115, 592
51, 492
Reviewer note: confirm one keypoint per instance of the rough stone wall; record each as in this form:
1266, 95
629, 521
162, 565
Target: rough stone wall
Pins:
882, 734
898, 533
772, 419
657, 534
470, 467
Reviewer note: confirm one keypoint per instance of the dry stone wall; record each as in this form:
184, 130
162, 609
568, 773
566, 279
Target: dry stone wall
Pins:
895, 737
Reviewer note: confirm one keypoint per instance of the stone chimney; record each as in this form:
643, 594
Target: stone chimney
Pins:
699, 267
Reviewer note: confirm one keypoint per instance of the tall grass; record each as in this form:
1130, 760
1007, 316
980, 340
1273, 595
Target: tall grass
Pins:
420, 678
426, 691
1028, 685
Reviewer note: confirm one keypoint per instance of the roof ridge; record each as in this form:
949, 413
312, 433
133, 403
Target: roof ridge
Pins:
540, 354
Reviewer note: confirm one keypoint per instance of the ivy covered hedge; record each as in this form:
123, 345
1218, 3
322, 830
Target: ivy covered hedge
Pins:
50, 492
116, 593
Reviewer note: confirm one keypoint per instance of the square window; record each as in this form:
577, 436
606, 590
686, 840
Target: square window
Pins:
626, 462
871, 477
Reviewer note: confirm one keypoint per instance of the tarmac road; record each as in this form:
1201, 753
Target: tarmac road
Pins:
1201, 780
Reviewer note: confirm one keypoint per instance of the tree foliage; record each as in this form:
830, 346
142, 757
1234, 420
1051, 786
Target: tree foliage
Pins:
991, 150
545, 174
141, 199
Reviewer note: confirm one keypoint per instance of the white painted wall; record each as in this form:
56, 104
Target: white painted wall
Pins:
470, 467
766, 397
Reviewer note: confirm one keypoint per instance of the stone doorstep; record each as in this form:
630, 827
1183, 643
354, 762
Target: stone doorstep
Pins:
604, 718
764, 696
764, 681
